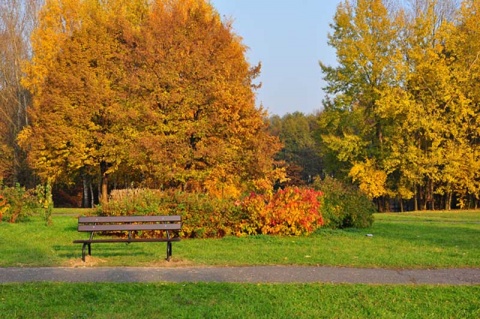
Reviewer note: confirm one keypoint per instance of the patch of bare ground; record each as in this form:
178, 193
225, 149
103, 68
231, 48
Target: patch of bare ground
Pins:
174, 262
90, 261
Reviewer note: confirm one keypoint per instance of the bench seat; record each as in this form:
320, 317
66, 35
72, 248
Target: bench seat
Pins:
168, 225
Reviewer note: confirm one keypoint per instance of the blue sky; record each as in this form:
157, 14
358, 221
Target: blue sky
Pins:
289, 37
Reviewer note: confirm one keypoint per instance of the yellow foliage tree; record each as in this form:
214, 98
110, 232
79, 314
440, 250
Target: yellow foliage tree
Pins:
372, 180
405, 101
353, 126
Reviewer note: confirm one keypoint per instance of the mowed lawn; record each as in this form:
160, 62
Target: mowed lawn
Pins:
408, 240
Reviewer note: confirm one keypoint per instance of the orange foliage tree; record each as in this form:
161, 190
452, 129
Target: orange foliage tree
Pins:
155, 93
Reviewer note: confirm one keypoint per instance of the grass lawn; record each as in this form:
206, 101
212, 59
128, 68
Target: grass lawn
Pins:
215, 300
408, 240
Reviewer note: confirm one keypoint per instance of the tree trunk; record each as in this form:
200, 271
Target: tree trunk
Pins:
104, 183
415, 200
432, 197
104, 198
449, 201
92, 198
85, 199
423, 198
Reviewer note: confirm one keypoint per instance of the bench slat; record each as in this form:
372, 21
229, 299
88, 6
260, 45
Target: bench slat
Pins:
128, 227
129, 219
125, 240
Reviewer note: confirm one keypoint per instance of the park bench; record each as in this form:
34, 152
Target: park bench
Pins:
166, 227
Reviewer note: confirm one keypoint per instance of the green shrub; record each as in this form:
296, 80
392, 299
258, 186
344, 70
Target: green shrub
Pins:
16, 203
344, 205
44, 202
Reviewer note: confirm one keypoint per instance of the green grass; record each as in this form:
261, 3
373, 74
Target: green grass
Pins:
215, 300
408, 240
69, 211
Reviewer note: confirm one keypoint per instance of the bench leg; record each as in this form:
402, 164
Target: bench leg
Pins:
169, 250
83, 250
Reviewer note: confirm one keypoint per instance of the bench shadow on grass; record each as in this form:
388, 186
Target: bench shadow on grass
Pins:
102, 251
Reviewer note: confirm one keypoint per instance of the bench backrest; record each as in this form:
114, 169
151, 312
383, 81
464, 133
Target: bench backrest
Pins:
129, 223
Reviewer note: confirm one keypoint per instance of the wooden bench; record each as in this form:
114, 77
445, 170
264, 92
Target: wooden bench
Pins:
129, 224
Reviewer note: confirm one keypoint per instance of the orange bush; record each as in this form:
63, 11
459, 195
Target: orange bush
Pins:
291, 211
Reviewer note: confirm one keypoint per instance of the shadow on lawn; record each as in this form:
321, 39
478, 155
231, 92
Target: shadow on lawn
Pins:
102, 250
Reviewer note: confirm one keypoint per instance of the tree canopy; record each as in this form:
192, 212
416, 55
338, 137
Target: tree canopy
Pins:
157, 93
17, 19
402, 116
300, 152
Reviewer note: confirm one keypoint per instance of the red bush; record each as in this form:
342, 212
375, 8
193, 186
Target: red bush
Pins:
291, 211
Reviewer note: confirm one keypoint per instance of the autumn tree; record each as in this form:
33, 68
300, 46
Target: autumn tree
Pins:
300, 151
364, 35
211, 135
398, 117
17, 19
463, 50
431, 110
72, 77
159, 94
